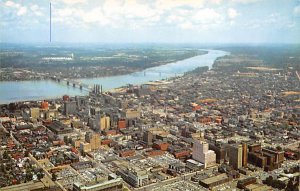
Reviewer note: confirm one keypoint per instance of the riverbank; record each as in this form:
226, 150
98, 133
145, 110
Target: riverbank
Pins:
91, 64
46, 89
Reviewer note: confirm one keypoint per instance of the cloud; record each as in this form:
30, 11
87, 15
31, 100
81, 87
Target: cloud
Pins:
217, 2
12, 4
22, 11
171, 4
297, 10
72, 2
186, 25
207, 16
232, 13
65, 12
36, 10
135, 9
94, 16
174, 19
245, 1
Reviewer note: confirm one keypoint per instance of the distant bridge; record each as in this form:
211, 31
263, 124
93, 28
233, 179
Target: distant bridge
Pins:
73, 83
162, 73
87, 87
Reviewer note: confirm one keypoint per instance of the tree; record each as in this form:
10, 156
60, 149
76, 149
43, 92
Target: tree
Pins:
278, 184
5, 155
289, 186
268, 181
26, 154
2, 168
279, 148
28, 176
40, 175
66, 140
54, 177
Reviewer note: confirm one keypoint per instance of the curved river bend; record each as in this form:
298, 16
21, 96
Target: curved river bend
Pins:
12, 91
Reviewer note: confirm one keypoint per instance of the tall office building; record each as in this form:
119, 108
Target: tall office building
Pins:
245, 154
93, 139
70, 107
80, 101
35, 112
104, 123
220, 151
148, 137
235, 153
202, 154
100, 122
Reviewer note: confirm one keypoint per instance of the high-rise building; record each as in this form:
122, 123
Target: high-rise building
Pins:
66, 98
121, 123
45, 105
245, 154
81, 101
220, 151
93, 139
235, 153
202, 154
104, 123
70, 107
35, 112
100, 122
148, 137
85, 147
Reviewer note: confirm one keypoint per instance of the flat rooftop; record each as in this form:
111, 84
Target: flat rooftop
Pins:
25, 186
215, 179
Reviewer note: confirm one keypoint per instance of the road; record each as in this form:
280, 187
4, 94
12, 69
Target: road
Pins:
182, 177
46, 172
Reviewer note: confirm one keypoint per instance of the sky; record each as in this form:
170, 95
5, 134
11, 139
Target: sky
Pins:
154, 21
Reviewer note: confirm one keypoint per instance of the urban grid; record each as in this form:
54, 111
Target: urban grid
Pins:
218, 129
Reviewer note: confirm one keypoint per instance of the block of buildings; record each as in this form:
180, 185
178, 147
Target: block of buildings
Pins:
214, 181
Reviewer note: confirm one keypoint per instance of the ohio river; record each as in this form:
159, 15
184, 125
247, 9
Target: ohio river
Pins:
13, 91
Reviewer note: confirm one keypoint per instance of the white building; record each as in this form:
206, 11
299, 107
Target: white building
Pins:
202, 154
59, 58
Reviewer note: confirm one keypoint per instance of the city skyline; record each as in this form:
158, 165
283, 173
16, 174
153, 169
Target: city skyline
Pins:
131, 21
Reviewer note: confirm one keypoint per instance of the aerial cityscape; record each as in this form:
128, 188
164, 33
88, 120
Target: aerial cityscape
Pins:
162, 95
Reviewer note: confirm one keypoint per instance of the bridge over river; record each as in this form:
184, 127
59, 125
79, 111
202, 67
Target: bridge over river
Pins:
71, 82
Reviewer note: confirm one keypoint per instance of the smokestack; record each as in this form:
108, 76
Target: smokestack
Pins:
101, 89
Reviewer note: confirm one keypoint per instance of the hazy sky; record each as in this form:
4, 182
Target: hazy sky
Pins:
199, 21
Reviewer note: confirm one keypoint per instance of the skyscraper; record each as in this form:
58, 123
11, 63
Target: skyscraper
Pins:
148, 137
245, 154
235, 155
202, 154
93, 139
70, 107
35, 112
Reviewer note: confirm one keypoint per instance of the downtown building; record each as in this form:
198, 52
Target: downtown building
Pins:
202, 154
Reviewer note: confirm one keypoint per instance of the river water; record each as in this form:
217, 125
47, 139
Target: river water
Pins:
12, 91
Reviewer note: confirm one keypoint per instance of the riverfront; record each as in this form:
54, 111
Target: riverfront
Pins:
13, 91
